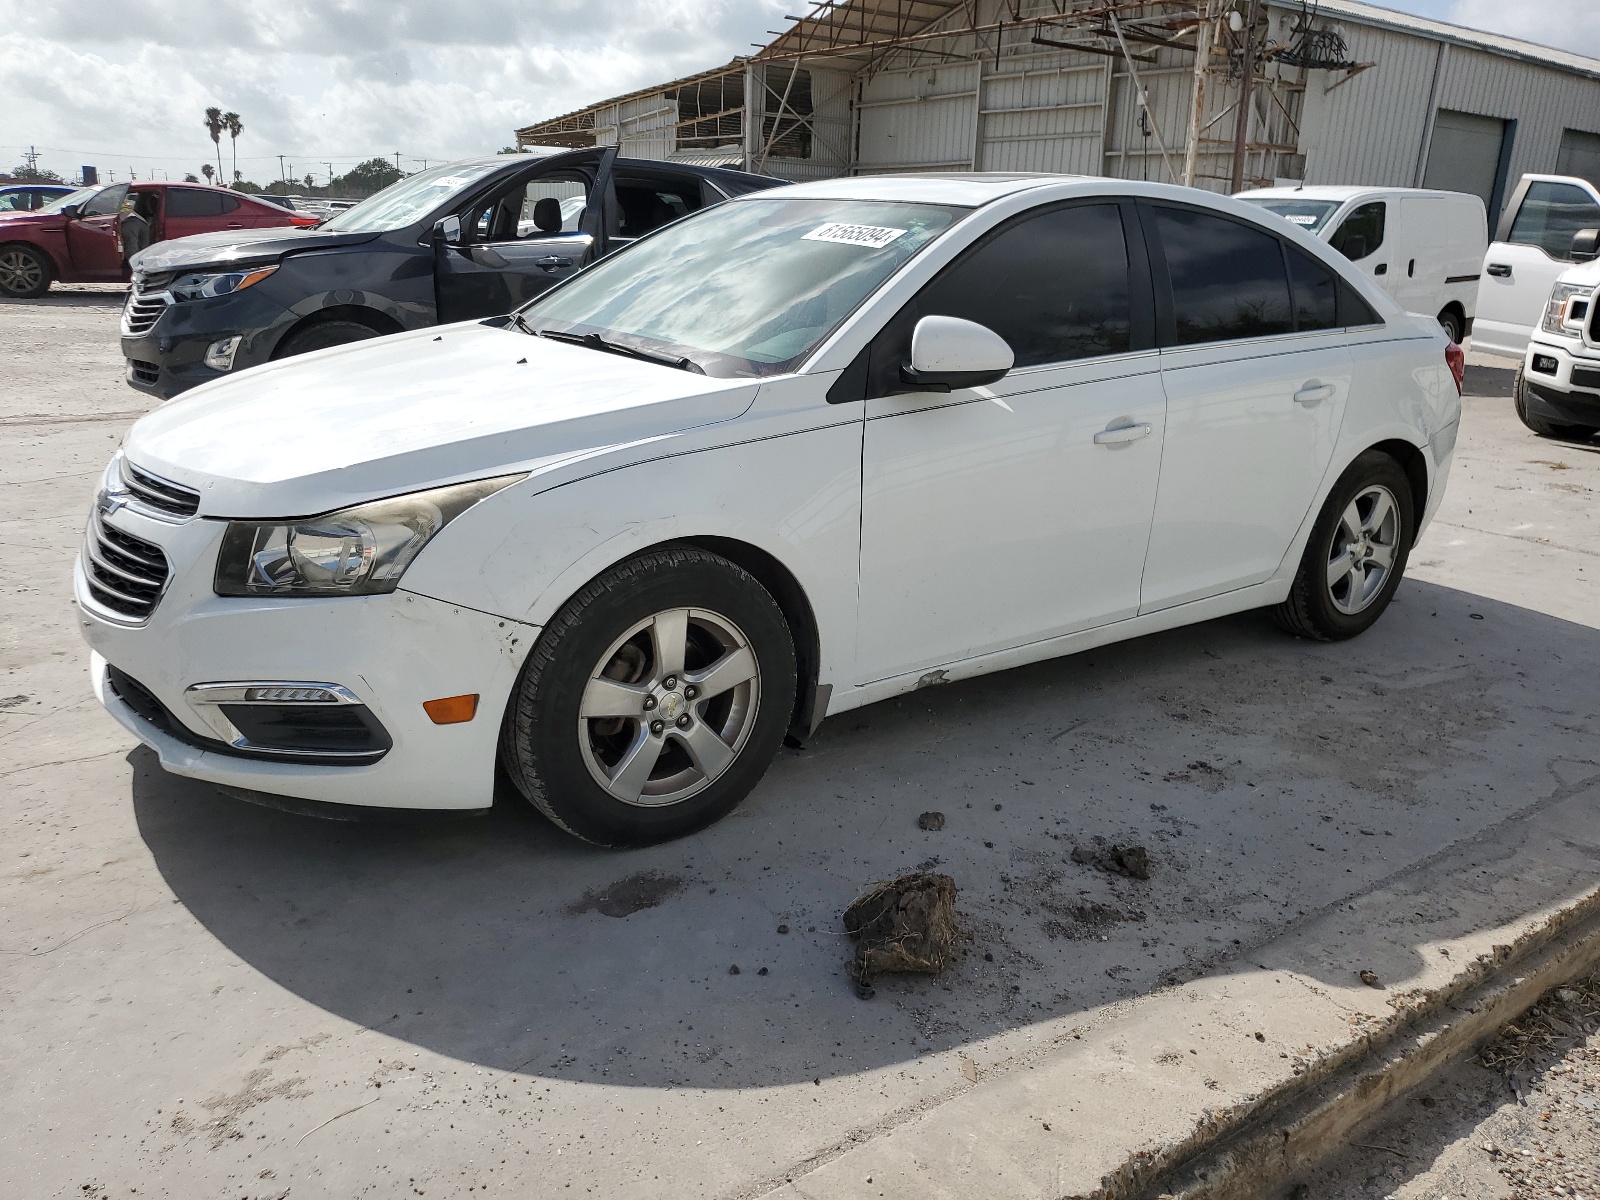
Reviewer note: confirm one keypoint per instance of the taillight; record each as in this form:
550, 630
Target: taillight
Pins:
1456, 359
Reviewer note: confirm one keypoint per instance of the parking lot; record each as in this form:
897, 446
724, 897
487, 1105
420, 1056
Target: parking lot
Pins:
201, 997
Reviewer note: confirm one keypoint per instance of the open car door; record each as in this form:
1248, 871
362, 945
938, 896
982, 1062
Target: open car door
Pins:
530, 233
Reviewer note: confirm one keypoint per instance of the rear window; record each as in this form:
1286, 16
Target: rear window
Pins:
1550, 214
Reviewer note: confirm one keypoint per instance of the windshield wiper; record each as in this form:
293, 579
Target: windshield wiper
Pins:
595, 342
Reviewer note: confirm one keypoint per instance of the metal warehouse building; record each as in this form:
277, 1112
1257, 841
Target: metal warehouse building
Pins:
1220, 94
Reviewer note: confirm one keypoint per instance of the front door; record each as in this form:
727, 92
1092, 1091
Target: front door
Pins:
525, 237
1004, 515
1519, 272
92, 237
1256, 375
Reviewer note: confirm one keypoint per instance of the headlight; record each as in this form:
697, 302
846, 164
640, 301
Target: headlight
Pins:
1556, 309
207, 285
359, 551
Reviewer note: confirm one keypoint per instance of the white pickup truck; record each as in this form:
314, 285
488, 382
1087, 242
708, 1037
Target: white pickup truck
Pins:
1532, 247
1557, 388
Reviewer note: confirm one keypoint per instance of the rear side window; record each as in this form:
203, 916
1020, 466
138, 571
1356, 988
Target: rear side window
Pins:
1054, 286
1550, 214
191, 202
645, 205
1228, 278
1315, 291
1365, 223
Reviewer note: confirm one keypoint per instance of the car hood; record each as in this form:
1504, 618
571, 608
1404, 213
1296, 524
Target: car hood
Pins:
230, 246
410, 411
1587, 274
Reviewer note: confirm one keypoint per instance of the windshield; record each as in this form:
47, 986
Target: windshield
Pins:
1310, 215
747, 288
404, 203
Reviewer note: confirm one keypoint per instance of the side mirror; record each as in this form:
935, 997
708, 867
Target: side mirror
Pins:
947, 352
447, 230
70, 212
1355, 247
1585, 245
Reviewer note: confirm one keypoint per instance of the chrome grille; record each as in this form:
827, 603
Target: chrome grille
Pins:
162, 495
142, 311
126, 574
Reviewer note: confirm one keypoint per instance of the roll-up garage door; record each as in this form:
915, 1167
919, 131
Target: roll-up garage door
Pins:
1464, 155
1579, 155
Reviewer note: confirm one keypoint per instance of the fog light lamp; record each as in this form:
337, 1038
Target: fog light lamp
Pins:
451, 710
290, 695
220, 355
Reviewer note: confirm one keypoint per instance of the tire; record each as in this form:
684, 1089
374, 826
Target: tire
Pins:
323, 335
1549, 429
24, 271
604, 651
1450, 321
1368, 525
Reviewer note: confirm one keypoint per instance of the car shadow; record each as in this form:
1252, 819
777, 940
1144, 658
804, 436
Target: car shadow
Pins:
1269, 779
1492, 382
102, 297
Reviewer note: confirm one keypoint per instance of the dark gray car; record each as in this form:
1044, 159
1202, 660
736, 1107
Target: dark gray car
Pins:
471, 239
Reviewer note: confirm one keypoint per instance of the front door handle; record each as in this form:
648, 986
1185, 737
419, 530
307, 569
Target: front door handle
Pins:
1500, 270
1381, 269
1121, 435
1314, 393
551, 262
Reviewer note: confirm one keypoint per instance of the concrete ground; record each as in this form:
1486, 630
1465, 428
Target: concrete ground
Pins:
199, 997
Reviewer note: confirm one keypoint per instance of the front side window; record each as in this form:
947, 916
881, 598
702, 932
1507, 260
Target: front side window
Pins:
1228, 279
105, 202
743, 289
1054, 286
1365, 223
543, 207
1550, 214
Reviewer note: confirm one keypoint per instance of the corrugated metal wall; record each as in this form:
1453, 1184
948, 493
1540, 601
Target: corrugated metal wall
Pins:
1042, 113
919, 118
1369, 130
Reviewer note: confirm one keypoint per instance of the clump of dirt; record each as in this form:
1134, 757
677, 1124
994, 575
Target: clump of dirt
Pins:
1132, 861
906, 924
931, 822
1562, 1017
646, 889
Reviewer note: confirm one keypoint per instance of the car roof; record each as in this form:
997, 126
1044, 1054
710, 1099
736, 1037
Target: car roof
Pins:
1340, 192
968, 188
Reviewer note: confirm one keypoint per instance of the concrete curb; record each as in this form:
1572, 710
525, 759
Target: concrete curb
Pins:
1251, 1071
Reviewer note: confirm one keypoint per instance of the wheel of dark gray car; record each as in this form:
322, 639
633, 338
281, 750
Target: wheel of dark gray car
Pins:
1549, 429
1356, 555
24, 272
1450, 321
323, 335
654, 700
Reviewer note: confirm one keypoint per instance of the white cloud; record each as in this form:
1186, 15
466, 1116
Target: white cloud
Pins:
124, 83
1560, 23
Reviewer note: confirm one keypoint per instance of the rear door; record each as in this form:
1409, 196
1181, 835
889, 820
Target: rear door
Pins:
92, 238
1424, 233
525, 236
1535, 247
199, 210
1256, 376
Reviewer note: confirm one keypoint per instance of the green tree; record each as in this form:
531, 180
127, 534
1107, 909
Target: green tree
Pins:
208, 171
34, 174
235, 126
190, 177
214, 126
366, 178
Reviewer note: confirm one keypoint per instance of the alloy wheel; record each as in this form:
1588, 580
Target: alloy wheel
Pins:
1362, 554
669, 706
19, 272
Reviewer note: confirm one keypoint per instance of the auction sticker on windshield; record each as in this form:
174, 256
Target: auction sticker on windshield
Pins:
873, 236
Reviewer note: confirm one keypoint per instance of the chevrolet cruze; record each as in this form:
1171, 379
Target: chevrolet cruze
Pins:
807, 450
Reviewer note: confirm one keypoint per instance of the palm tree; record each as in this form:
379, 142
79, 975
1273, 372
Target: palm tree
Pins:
208, 171
214, 126
235, 127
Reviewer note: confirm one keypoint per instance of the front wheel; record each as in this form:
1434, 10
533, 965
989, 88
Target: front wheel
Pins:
323, 335
24, 272
654, 700
1356, 554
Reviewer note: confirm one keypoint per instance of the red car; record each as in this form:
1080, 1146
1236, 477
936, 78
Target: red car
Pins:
88, 236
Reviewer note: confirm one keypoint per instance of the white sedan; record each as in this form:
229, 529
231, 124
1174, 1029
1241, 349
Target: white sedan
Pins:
807, 450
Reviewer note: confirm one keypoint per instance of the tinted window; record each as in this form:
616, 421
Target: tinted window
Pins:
1054, 286
1365, 222
1353, 310
191, 202
1316, 294
1550, 214
1228, 279
650, 204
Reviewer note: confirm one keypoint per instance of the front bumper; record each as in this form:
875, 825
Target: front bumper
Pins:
391, 652
1562, 386
169, 357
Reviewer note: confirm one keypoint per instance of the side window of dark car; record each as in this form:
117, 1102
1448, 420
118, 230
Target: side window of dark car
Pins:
1228, 278
1054, 286
1365, 223
192, 202
1550, 214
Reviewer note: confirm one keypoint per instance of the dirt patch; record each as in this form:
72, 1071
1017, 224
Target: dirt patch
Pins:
906, 924
646, 889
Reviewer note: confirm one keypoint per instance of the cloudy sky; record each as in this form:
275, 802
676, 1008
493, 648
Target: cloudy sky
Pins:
123, 84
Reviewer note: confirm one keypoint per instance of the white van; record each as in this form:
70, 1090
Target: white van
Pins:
1425, 248
1531, 249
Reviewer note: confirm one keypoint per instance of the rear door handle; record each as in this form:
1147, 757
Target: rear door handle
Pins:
1499, 270
1314, 393
1121, 435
